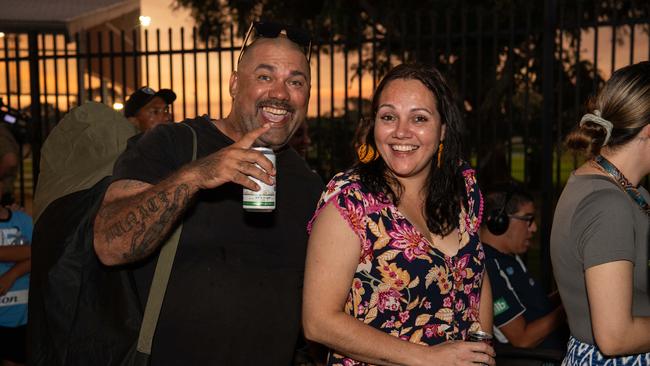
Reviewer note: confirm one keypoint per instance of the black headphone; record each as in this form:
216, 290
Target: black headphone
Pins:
498, 219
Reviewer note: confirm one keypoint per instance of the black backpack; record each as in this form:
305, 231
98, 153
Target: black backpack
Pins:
80, 311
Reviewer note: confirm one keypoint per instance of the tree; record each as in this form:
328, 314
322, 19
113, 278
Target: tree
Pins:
490, 50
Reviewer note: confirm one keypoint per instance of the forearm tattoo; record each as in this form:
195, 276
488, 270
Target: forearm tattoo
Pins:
137, 221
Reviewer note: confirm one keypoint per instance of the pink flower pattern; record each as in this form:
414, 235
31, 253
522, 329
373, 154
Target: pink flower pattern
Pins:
388, 300
409, 240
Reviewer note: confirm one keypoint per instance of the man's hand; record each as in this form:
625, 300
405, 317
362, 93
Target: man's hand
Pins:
135, 216
235, 163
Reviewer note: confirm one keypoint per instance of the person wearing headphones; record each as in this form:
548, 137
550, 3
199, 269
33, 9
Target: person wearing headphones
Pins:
524, 315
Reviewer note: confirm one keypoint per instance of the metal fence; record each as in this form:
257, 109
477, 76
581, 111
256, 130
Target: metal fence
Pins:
522, 75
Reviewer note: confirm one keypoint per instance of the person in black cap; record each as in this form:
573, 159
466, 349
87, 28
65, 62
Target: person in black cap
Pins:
147, 108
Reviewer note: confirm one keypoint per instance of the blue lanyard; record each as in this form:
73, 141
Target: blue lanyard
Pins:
631, 191
623, 183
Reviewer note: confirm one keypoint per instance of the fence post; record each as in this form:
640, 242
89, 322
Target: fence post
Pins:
35, 107
548, 85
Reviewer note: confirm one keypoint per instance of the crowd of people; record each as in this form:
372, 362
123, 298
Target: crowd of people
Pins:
405, 258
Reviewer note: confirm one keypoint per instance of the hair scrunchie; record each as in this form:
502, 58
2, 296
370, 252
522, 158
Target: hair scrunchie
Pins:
597, 119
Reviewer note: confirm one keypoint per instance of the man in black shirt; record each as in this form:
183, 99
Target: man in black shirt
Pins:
234, 294
523, 315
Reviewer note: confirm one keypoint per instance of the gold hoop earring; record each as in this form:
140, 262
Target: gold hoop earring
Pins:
366, 153
440, 148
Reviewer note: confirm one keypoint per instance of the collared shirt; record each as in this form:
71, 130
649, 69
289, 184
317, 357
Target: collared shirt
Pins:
515, 292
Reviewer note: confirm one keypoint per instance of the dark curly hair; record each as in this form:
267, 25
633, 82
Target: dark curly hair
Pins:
445, 185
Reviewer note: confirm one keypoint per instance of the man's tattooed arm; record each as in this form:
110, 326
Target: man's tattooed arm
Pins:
135, 218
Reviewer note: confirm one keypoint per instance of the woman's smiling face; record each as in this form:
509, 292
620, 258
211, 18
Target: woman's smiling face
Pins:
408, 128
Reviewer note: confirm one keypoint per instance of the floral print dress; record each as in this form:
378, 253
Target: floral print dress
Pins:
403, 285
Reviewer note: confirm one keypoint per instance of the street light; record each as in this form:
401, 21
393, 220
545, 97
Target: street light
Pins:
2, 34
118, 106
145, 20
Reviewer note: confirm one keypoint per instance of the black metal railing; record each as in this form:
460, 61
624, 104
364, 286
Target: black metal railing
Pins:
522, 75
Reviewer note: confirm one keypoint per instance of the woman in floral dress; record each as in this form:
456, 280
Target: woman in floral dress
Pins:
394, 272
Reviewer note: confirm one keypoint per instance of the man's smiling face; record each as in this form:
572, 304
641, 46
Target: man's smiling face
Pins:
272, 86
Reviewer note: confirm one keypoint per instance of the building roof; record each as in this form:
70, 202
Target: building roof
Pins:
60, 16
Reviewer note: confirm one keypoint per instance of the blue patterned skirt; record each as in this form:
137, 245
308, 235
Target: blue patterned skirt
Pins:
583, 354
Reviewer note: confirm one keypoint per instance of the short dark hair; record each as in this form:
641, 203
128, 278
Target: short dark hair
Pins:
495, 199
445, 185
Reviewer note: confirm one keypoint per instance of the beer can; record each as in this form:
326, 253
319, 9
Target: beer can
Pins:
264, 199
479, 336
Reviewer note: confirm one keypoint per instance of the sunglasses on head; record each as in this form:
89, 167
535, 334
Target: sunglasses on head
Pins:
273, 30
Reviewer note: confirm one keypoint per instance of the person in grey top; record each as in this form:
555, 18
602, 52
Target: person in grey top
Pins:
599, 239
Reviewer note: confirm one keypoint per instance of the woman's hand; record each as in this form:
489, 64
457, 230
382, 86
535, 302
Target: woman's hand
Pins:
457, 353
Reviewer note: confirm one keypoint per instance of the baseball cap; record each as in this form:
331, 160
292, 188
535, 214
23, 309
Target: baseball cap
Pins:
143, 96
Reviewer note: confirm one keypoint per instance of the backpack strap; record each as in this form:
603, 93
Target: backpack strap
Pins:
160, 280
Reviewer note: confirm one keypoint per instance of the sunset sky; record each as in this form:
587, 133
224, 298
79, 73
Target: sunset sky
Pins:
163, 16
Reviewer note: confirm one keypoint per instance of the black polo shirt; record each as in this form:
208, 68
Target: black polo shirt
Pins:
515, 293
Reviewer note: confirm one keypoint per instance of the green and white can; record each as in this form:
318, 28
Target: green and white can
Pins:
264, 199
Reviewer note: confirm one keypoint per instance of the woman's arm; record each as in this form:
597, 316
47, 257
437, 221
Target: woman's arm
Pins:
332, 258
486, 313
616, 331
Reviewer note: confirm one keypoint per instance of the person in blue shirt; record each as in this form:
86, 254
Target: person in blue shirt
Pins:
524, 315
15, 264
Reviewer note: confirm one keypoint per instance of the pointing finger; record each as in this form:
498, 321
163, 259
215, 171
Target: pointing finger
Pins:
249, 139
